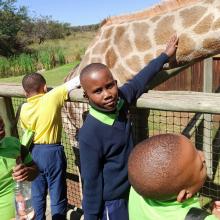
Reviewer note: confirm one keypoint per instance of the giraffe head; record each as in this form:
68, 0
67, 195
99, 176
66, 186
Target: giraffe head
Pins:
127, 43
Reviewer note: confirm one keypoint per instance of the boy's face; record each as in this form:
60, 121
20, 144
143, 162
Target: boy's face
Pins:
101, 89
2, 129
193, 167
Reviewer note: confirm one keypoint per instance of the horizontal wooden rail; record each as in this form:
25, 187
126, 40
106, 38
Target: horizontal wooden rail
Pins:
185, 101
162, 100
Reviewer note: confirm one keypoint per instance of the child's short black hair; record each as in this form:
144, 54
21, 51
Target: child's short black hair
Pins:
153, 167
33, 82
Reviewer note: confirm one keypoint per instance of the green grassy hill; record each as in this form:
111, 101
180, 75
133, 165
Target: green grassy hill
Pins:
73, 48
53, 77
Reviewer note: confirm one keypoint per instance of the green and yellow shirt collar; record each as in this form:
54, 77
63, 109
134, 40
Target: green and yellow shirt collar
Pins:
104, 117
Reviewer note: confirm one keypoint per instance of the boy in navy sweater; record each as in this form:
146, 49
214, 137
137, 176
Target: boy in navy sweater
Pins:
105, 138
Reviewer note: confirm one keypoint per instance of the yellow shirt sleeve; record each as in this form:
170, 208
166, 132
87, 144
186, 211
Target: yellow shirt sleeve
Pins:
57, 96
42, 114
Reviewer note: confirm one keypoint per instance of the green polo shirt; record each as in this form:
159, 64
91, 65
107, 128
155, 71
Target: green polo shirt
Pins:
148, 209
9, 151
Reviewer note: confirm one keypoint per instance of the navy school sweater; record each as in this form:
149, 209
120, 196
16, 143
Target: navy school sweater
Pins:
105, 142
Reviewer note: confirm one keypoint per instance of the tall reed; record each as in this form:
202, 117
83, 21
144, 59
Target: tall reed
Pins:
46, 58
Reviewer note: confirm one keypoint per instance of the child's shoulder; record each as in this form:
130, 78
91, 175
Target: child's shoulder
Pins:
91, 127
56, 95
10, 147
58, 89
10, 142
93, 123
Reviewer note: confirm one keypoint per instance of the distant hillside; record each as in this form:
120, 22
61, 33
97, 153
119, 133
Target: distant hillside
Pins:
91, 27
49, 54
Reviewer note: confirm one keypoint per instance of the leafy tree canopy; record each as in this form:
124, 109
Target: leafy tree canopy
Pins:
11, 22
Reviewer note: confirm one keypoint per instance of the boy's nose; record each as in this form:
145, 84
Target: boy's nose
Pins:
106, 94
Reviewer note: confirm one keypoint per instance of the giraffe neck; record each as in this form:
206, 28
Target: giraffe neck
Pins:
126, 47
157, 10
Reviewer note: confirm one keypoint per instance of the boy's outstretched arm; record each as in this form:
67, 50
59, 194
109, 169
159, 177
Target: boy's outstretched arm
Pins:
74, 83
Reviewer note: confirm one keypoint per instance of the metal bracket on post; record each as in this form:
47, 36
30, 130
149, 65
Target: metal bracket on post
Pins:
140, 123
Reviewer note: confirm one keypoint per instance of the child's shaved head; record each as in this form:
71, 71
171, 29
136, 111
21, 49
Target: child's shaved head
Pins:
99, 87
155, 166
91, 68
32, 83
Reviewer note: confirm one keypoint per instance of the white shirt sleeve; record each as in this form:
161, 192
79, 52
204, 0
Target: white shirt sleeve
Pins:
73, 83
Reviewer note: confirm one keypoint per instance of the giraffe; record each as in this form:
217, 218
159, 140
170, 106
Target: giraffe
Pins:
126, 43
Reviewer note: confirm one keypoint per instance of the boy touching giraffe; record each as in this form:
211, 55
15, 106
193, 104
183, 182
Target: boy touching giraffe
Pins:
105, 138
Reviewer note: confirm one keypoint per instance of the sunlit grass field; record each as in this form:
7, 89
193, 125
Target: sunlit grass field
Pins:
47, 55
53, 77
73, 46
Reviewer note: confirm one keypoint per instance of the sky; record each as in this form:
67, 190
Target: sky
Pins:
83, 12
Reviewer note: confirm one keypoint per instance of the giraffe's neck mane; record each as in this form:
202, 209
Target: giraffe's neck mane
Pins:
163, 7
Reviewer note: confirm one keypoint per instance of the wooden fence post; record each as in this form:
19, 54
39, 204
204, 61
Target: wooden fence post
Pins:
8, 115
140, 123
207, 129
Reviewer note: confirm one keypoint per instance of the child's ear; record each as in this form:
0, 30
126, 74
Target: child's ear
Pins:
26, 94
45, 88
183, 195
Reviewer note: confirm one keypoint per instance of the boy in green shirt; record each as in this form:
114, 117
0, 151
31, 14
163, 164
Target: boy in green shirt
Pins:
11, 152
166, 171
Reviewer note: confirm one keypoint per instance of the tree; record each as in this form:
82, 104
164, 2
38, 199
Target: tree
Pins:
45, 28
11, 22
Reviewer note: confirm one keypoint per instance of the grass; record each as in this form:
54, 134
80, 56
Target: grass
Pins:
47, 55
53, 77
73, 46
46, 58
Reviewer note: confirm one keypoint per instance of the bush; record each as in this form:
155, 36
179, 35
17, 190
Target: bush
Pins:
27, 63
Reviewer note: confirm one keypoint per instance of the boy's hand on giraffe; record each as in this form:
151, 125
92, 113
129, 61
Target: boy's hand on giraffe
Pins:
171, 45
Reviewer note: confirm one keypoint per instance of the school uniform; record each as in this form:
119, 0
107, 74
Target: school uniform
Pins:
150, 209
105, 142
10, 150
42, 115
